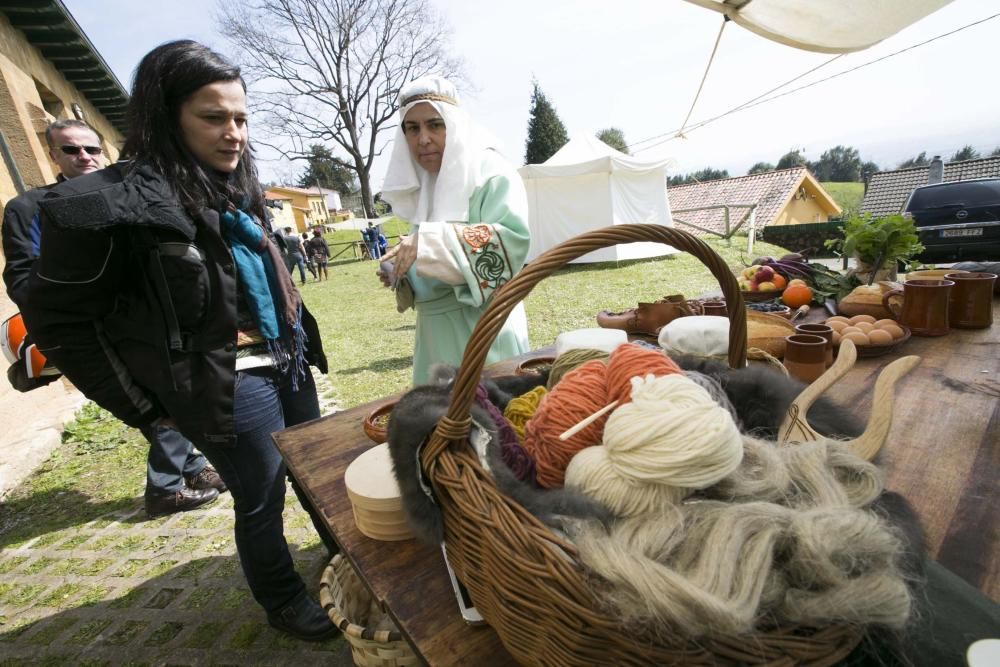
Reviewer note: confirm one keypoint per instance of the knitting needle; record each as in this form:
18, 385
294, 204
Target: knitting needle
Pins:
573, 430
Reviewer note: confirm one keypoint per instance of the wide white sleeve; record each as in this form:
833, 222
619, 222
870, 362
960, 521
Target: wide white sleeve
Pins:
434, 258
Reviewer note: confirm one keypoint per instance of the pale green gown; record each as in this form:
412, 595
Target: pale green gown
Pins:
489, 250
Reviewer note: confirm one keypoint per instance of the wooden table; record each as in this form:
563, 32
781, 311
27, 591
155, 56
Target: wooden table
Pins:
408, 578
943, 455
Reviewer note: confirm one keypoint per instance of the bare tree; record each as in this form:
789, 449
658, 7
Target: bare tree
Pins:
328, 71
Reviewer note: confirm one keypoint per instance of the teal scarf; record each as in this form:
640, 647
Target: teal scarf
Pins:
277, 320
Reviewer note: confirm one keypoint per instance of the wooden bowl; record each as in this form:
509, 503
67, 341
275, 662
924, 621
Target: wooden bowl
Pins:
866, 351
535, 365
757, 297
377, 421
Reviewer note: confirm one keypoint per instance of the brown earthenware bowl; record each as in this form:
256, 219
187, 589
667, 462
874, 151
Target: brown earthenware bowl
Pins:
377, 421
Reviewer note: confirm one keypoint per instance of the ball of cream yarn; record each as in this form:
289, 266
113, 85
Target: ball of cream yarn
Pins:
670, 440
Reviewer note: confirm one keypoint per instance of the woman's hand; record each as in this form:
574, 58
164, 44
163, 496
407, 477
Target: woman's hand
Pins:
403, 255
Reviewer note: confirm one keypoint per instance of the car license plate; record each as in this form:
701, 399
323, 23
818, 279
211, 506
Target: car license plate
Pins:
952, 233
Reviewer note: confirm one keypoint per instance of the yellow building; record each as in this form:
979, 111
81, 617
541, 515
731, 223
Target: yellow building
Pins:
308, 205
49, 71
280, 208
783, 197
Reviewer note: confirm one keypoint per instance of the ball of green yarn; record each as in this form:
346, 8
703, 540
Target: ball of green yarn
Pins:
569, 360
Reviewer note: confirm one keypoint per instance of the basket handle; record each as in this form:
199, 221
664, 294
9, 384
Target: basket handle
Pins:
454, 426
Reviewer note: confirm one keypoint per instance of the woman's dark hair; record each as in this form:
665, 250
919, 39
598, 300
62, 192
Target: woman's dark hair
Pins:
166, 78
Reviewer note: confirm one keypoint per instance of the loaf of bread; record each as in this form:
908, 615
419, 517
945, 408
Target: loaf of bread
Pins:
767, 332
867, 300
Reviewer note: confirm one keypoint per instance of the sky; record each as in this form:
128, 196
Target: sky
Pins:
636, 64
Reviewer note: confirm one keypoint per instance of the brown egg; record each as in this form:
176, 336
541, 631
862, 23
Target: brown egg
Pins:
836, 337
838, 318
881, 323
866, 327
895, 331
850, 329
856, 337
862, 318
837, 326
880, 337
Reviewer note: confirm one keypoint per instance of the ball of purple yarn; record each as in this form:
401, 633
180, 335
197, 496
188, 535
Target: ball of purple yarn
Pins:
511, 451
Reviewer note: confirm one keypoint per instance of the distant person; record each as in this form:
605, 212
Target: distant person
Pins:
178, 478
319, 250
309, 261
294, 252
160, 295
469, 210
383, 244
371, 240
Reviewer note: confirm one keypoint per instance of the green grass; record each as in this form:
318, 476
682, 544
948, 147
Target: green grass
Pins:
370, 346
847, 195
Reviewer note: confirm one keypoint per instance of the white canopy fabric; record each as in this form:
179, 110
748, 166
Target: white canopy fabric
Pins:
826, 26
588, 185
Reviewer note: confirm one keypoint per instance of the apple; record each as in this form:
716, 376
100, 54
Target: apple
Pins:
767, 286
750, 272
764, 274
796, 281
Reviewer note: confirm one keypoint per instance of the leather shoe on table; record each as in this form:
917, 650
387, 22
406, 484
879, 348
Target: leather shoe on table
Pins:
303, 618
208, 478
647, 318
179, 501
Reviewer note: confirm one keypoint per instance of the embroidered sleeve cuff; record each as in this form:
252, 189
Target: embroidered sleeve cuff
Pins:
434, 260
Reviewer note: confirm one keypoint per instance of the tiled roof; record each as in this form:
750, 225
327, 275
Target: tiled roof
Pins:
888, 190
769, 191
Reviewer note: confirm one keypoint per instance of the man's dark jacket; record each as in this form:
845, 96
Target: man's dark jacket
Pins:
134, 301
18, 248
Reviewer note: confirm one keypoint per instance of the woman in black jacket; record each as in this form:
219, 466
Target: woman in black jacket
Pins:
159, 294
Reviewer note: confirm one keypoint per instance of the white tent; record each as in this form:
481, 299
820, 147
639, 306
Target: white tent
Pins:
588, 185
826, 26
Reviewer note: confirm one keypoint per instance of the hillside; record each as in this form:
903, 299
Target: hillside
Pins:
847, 195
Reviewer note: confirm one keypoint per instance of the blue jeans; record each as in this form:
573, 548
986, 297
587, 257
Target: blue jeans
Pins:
171, 458
255, 474
374, 250
294, 259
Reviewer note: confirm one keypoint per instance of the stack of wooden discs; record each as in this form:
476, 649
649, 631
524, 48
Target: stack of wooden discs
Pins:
375, 497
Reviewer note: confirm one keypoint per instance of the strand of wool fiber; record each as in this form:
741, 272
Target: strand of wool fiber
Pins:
670, 440
571, 359
581, 393
522, 408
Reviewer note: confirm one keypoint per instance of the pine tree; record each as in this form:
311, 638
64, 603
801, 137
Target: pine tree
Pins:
327, 171
546, 133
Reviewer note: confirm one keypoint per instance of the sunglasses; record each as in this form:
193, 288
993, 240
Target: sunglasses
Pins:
75, 150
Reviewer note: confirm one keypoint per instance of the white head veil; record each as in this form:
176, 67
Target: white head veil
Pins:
417, 195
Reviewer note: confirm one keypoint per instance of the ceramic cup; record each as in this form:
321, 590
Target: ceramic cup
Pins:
805, 356
822, 330
925, 306
970, 305
714, 308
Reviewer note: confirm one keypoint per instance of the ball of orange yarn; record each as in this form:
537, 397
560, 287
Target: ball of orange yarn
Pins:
582, 392
629, 361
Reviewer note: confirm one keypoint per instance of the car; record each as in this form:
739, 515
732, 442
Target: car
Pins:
957, 221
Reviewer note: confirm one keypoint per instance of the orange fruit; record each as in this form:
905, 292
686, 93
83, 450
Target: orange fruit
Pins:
796, 295
779, 281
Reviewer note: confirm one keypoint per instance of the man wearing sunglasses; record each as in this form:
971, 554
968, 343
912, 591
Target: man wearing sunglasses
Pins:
178, 478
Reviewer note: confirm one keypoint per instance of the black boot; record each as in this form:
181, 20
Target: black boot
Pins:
179, 501
303, 618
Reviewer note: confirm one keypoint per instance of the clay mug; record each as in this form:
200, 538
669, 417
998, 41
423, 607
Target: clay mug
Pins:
925, 306
822, 330
971, 303
715, 308
805, 356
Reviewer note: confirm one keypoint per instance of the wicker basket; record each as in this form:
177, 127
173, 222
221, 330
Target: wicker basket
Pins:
339, 589
528, 583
